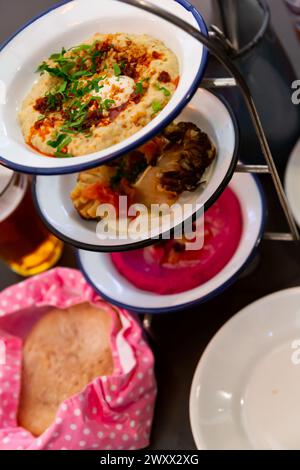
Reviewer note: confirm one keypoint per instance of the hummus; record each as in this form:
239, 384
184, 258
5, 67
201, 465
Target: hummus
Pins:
97, 94
167, 268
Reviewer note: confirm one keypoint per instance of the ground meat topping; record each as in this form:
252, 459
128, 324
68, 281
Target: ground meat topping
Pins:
164, 77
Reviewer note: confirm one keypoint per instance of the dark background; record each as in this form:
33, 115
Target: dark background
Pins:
180, 338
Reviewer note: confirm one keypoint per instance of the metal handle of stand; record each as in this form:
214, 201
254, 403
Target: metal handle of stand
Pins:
254, 169
218, 83
279, 237
214, 46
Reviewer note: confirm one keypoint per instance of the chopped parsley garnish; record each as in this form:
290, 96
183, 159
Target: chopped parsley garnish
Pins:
74, 62
107, 104
157, 106
81, 73
117, 70
61, 141
54, 71
62, 155
58, 55
82, 47
95, 85
165, 91
139, 89
94, 57
62, 87
77, 71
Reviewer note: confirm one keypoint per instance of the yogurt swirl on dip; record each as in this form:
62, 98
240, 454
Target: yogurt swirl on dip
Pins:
116, 89
167, 268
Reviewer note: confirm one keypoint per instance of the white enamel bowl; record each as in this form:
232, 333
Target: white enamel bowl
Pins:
52, 193
104, 277
67, 25
245, 392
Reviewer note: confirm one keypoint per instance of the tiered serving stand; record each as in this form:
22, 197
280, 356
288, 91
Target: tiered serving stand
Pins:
219, 47
216, 43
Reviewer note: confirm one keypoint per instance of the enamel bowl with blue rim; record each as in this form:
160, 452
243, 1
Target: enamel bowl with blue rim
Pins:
69, 24
102, 274
52, 193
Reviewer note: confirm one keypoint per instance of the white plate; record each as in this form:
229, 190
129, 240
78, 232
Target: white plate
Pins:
292, 182
52, 193
68, 25
245, 392
102, 274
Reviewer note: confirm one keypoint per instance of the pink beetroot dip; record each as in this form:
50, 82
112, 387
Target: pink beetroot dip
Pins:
166, 268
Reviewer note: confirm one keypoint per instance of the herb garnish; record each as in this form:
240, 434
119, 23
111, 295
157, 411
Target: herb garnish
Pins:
82, 47
107, 104
165, 91
61, 141
81, 73
62, 155
156, 106
117, 70
76, 70
139, 87
59, 72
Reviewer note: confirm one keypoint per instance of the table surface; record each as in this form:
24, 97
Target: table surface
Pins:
180, 338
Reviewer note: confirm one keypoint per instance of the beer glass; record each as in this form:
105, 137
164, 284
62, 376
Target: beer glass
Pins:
26, 246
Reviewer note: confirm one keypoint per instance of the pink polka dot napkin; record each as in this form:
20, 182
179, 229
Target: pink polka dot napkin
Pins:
111, 413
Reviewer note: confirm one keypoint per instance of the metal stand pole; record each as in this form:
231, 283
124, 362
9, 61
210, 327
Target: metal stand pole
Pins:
217, 48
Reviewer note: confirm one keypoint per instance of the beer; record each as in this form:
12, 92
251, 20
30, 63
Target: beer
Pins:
26, 246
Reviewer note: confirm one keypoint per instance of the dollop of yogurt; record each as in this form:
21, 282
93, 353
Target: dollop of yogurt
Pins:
119, 89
